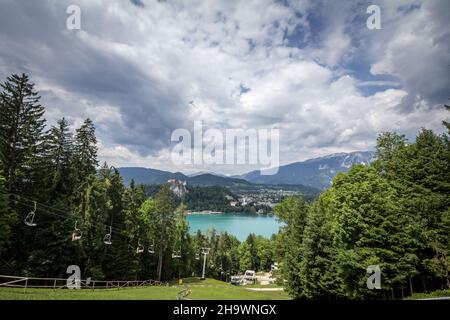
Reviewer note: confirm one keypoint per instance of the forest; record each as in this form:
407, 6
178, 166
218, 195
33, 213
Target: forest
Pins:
394, 213
59, 207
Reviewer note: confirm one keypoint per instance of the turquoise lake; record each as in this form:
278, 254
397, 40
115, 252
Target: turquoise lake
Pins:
239, 225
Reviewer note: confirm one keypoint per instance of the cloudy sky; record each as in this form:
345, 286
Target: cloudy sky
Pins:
141, 69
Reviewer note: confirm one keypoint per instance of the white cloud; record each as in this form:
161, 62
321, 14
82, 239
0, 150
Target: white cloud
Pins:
134, 70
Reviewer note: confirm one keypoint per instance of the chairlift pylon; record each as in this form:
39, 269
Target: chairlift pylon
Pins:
77, 234
107, 237
29, 219
140, 247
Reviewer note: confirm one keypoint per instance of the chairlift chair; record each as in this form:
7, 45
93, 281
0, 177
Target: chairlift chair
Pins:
197, 256
176, 253
151, 247
29, 219
77, 234
107, 237
140, 247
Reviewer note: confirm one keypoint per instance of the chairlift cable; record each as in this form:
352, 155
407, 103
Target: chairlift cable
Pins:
63, 213
48, 210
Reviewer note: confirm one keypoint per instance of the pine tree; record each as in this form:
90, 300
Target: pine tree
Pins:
21, 135
61, 155
85, 150
446, 123
117, 256
93, 215
7, 217
420, 173
136, 227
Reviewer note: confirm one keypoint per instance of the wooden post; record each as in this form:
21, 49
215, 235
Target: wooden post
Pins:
26, 284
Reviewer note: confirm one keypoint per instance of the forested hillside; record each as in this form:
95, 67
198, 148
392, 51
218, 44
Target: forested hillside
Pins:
394, 214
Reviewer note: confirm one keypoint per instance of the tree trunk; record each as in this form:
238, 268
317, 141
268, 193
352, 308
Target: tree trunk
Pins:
411, 291
424, 284
160, 260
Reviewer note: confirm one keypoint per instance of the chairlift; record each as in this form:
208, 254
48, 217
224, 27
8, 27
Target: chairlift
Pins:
29, 219
77, 234
197, 256
151, 247
176, 253
205, 250
107, 237
140, 247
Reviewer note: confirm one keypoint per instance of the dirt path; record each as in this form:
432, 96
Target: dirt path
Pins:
265, 289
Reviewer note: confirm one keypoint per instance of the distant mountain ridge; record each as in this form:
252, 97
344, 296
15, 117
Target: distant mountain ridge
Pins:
317, 172
154, 176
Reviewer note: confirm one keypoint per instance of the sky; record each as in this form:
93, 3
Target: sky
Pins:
141, 69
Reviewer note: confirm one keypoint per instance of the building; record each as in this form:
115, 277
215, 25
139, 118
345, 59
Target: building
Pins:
234, 203
178, 187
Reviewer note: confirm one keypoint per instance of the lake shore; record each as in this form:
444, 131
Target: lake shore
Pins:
208, 212
204, 212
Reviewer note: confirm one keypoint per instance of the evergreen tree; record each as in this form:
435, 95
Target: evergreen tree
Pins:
446, 123
7, 217
94, 223
22, 152
420, 173
61, 155
85, 150
117, 257
21, 135
137, 228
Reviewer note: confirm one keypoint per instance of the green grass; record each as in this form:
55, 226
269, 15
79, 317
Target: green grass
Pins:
211, 289
140, 293
208, 289
434, 294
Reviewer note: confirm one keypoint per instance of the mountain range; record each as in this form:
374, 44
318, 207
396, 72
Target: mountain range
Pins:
317, 173
154, 176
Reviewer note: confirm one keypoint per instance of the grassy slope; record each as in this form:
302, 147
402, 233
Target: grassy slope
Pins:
200, 290
434, 294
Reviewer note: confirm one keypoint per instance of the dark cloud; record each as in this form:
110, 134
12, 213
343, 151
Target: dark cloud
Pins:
134, 69
138, 3
34, 41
